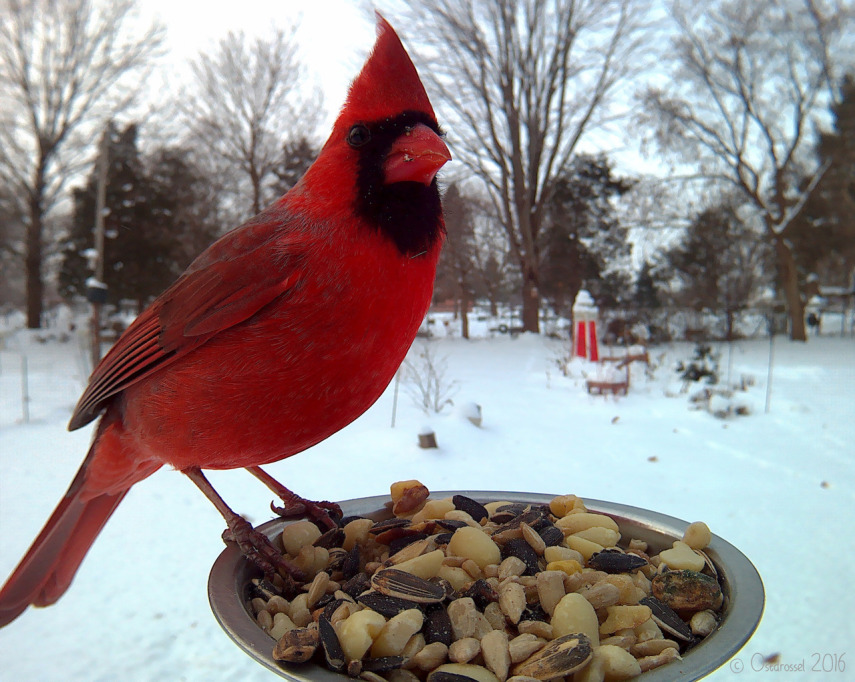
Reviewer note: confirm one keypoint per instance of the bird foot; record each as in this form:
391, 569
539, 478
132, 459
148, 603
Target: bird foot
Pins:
325, 514
258, 549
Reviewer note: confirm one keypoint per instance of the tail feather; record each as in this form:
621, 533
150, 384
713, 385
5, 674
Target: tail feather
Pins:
47, 569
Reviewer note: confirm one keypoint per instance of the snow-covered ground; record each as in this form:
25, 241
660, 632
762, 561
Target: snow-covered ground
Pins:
780, 486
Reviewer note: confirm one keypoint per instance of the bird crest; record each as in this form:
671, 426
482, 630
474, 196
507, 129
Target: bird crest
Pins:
388, 83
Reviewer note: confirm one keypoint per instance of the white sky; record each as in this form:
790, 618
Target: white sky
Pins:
334, 35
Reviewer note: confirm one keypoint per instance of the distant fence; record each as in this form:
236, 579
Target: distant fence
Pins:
662, 325
42, 374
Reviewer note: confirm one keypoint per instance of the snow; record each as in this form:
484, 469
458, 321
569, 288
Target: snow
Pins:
779, 486
95, 283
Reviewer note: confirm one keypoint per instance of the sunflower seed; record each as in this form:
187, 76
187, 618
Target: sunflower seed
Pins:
616, 561
386, 524
384, 604
399, 543
482, 593
522, 550
332, 647
264, 589
552, 535
334, 537
382, 664
395, 583
297, 646
560, 657
356, 585
350, 565
667, 619
437, 627
475, 509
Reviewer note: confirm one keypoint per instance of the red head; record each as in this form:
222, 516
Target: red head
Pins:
386, 138
388, 83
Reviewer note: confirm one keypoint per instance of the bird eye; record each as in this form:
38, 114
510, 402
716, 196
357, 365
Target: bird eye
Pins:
358, 136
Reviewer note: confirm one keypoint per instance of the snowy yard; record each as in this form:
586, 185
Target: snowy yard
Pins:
780, 486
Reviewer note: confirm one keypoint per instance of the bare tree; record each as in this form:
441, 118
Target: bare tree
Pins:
457, 263
425, 379
749, 86
245, 106
63, 69
521, 83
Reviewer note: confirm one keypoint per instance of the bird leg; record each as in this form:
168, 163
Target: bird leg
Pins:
326, 514
255, 545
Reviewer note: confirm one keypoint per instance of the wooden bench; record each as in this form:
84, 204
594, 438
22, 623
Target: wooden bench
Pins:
616, 387
603, 387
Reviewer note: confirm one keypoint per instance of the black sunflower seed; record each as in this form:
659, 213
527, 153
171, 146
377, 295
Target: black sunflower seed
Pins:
333, 652
450, 524
331, 607
356, 585
334, 537
399, 543
667, 619
397, 583
522, 550
552, 535
384, 604
350, 566
264, 589
475, 509
442, 538
481, 592
386, 524
442, 676
437, 627
382, 664
616, 561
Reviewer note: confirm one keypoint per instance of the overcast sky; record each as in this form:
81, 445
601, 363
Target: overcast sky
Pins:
334, 35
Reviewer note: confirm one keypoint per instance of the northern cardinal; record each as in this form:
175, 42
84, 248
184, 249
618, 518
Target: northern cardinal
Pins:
281, 333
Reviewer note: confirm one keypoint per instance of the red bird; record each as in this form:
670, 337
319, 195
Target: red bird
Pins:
280, 334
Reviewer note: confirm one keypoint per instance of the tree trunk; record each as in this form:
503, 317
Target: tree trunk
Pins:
33, 261
530, 303
256, 191
792, 295
464, 312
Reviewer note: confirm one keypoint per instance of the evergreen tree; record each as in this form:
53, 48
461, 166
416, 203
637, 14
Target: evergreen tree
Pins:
12, 239
646, 294
155, 222
297, 156
720, 263
458, 260
584, 238
824, 240
186, 202
494, 278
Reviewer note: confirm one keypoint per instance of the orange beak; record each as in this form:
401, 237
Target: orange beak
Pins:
416, 156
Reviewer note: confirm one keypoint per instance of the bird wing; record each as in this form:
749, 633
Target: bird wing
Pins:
232, 280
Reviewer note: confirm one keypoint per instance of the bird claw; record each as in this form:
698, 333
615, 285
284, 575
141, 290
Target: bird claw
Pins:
324, 514
257, 548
